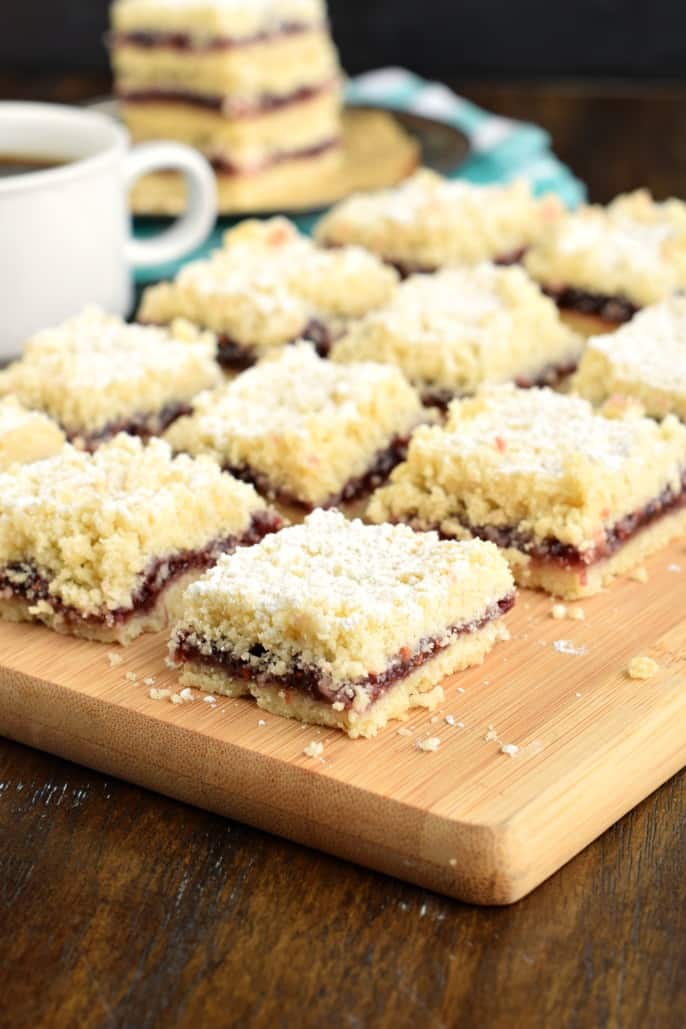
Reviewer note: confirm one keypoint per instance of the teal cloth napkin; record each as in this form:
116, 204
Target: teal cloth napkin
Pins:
501, 149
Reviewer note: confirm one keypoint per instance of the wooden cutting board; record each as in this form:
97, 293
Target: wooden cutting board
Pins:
466, 820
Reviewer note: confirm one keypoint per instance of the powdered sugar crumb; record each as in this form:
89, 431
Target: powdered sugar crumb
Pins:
567, 647
511, 749
114, 658
314, 749
430, 745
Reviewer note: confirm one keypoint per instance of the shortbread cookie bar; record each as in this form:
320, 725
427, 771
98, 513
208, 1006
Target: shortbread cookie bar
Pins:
601, 264
97, 376
644, 361
268, 286
253, 85
429, 222
342, 624
99, 545
572, 497
26, 435
303, 429
453, 331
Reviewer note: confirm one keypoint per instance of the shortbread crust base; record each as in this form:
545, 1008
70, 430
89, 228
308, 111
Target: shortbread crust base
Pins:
167, 608
419, 689
575, 583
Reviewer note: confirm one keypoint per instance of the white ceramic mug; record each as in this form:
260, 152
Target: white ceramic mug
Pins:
65, 231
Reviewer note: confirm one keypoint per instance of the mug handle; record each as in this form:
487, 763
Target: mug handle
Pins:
193, 227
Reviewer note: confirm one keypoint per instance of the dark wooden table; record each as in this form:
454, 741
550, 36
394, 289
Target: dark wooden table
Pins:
122, 908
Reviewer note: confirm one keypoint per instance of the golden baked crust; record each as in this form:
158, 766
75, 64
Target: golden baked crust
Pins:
535, 464
92, 524
344, 601
26, 435
461, 327
634, 248
274, 67
644, 360
303, 427
429, 222
233, 19
94, 371
248, 145
267, 282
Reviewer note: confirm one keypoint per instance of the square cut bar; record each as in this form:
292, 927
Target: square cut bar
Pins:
452, 331
254, 85
26, 435
99, 545
601, 264
342, 624
268, 286
303, 429
429, 222
571, 496
644, 361
97, 376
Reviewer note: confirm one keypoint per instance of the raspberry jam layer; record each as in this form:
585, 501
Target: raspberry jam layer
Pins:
570, 558
380, 468
236, 108
550, 375
24, 582
185, 43
614, 310
145, 426
311, 681
406, 268
237, 357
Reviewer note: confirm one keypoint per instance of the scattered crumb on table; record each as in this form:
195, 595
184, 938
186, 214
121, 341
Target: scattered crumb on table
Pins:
314, 749
430, 745
639, 575
641, 667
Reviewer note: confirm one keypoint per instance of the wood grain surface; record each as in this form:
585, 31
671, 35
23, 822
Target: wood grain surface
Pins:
468, 819
121, 908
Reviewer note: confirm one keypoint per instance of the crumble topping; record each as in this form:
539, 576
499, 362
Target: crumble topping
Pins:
643, 361
267, 283
534, 461
94, 370
465, 326
92, 523
642, 667
429, 746
428, 221
26, 435
314, 749
304, 425
215, 18
634, 249
340, 596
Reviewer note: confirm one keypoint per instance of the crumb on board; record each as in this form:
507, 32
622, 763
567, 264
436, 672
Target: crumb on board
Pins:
211, 699
567, 647
131, 677
402, 731
641, 667
434, 719
639, 574
314, 749
261, 722
453, 862
430, 745
577, 694
491, 735
675, 568
559, 611
149, 680
156, 694
578, 614
449, 719
511, 749
186, 696
114, 658
460, 689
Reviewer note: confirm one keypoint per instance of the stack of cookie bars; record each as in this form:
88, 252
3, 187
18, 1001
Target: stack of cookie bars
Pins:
421, 358
253, 84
